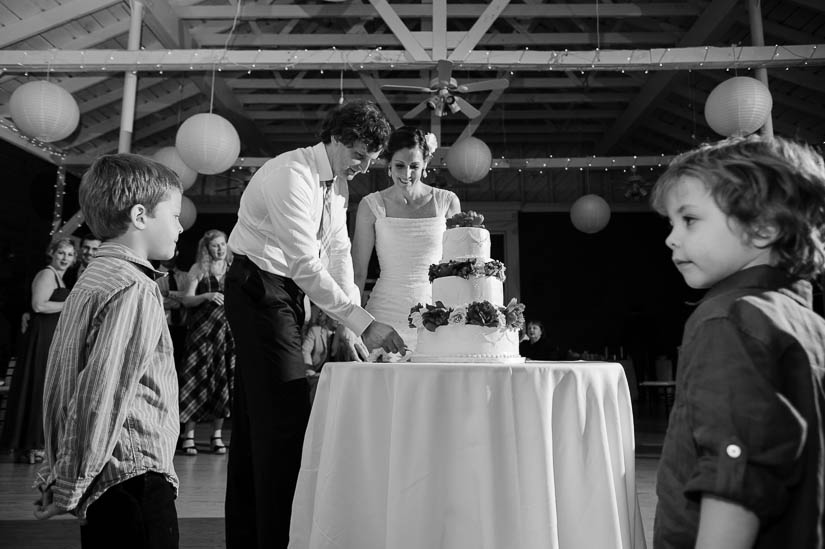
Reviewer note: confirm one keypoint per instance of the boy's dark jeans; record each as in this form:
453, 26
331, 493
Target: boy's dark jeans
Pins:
138, 513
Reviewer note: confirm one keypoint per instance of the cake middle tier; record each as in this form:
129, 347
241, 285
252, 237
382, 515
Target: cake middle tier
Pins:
453, 291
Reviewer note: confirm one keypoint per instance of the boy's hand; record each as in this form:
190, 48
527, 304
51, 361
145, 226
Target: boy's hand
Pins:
44, 508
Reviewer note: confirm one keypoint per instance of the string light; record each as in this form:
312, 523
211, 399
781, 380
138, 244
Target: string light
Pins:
59, 193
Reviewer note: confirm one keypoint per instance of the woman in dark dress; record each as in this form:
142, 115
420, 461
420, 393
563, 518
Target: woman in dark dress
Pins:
537, 346
209, 353
23, 426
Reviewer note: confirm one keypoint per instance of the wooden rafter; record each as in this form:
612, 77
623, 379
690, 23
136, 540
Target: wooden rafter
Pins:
657, 59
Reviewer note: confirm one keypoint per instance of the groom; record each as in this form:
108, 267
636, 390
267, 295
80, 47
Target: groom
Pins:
291, 239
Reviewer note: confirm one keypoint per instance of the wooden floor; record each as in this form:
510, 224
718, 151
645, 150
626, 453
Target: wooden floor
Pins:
202, 488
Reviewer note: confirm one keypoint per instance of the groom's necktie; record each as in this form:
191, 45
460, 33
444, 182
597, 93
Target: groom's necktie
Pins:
325, 228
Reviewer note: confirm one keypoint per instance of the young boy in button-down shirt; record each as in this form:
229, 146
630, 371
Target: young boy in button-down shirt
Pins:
742, 463
111, 395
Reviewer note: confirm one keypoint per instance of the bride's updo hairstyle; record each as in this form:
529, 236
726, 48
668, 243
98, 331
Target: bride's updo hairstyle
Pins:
407, 137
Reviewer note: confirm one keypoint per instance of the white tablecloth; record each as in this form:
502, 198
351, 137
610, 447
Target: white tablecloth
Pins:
428, 456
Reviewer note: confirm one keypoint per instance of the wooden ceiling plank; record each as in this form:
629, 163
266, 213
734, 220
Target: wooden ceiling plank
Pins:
439, 30
355, 83
50, 19
141, 110
479, 29
473, 124
714, 16
400, 30
381, 99
115, 95
165, 24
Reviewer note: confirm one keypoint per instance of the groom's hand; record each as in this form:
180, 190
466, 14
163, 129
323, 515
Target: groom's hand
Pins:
346, 346
383, 335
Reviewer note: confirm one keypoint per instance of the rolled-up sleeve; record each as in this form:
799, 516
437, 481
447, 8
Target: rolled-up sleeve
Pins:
749, 438
290, 204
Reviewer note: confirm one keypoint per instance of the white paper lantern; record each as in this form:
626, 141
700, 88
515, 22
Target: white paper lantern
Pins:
208, 143
169, 157
44, 111
738, 106
188, 212
469, 160
590, 213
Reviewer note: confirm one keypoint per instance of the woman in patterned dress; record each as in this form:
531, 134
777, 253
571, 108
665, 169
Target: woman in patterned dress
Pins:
209, 355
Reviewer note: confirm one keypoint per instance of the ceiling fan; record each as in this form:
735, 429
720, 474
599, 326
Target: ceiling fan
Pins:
445, 89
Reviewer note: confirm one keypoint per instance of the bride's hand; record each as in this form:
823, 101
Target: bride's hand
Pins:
347, 346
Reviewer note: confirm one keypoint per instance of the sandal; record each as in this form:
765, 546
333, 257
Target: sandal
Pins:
218, 446
188, 449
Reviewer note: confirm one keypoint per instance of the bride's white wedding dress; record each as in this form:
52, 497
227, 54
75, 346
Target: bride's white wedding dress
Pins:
406, 248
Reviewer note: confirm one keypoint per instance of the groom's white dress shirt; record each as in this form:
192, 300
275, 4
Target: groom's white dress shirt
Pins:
277, 230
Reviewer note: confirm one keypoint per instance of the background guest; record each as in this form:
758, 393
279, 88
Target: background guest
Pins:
89, 244
23, 427
209, 356
317, 345
170, 287
537, 346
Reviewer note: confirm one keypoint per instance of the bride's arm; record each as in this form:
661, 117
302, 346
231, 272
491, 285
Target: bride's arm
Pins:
455, 206
363, 243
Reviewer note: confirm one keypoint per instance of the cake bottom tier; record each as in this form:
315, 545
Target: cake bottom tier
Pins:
467, 343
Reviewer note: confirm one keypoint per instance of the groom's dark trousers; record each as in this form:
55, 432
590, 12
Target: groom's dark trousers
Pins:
270, 408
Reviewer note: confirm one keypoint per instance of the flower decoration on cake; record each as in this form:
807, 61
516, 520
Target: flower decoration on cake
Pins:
477, 313
466, 219
470, 267
432, 142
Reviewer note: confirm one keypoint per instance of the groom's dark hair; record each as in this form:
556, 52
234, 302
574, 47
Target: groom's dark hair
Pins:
357, 121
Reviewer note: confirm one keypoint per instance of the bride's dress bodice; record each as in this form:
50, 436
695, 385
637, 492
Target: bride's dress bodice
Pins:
406, 248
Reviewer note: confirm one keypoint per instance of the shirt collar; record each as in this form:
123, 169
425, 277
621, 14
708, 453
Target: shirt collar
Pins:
322, 165
764, 277
121, 251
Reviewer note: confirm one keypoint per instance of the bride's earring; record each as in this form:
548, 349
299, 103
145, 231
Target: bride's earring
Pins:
424, 173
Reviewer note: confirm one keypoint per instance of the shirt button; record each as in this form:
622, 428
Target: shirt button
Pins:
733, 451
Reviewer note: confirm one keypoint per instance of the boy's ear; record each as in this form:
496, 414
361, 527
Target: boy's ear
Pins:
765, 235
137, 215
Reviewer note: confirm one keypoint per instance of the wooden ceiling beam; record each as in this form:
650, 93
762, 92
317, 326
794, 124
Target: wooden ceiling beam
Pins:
412, 46
334, 83
210, 39
531, 115
466, 11
524, 98
657, 59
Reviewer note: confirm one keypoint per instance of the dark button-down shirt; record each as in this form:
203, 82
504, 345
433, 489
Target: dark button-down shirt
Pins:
111, 394
747, 424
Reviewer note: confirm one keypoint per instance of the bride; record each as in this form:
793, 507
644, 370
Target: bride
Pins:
404, 223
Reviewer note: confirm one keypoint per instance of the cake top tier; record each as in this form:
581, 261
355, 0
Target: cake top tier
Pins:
466, 219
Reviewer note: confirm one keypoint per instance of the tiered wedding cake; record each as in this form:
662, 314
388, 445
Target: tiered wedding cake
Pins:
468, 322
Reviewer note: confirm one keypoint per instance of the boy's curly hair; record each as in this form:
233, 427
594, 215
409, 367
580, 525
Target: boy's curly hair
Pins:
760, 180
357, 121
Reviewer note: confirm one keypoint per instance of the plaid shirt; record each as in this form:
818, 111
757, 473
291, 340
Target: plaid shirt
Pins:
111, 395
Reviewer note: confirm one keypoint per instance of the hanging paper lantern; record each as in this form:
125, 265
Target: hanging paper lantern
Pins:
188, 212
469, 160
169, 157
44, 111
590, 213
738, 106
208, 143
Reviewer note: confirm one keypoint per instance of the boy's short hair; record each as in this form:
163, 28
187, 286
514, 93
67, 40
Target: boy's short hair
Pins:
87, 237
760, 180
357, 121
116, 182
